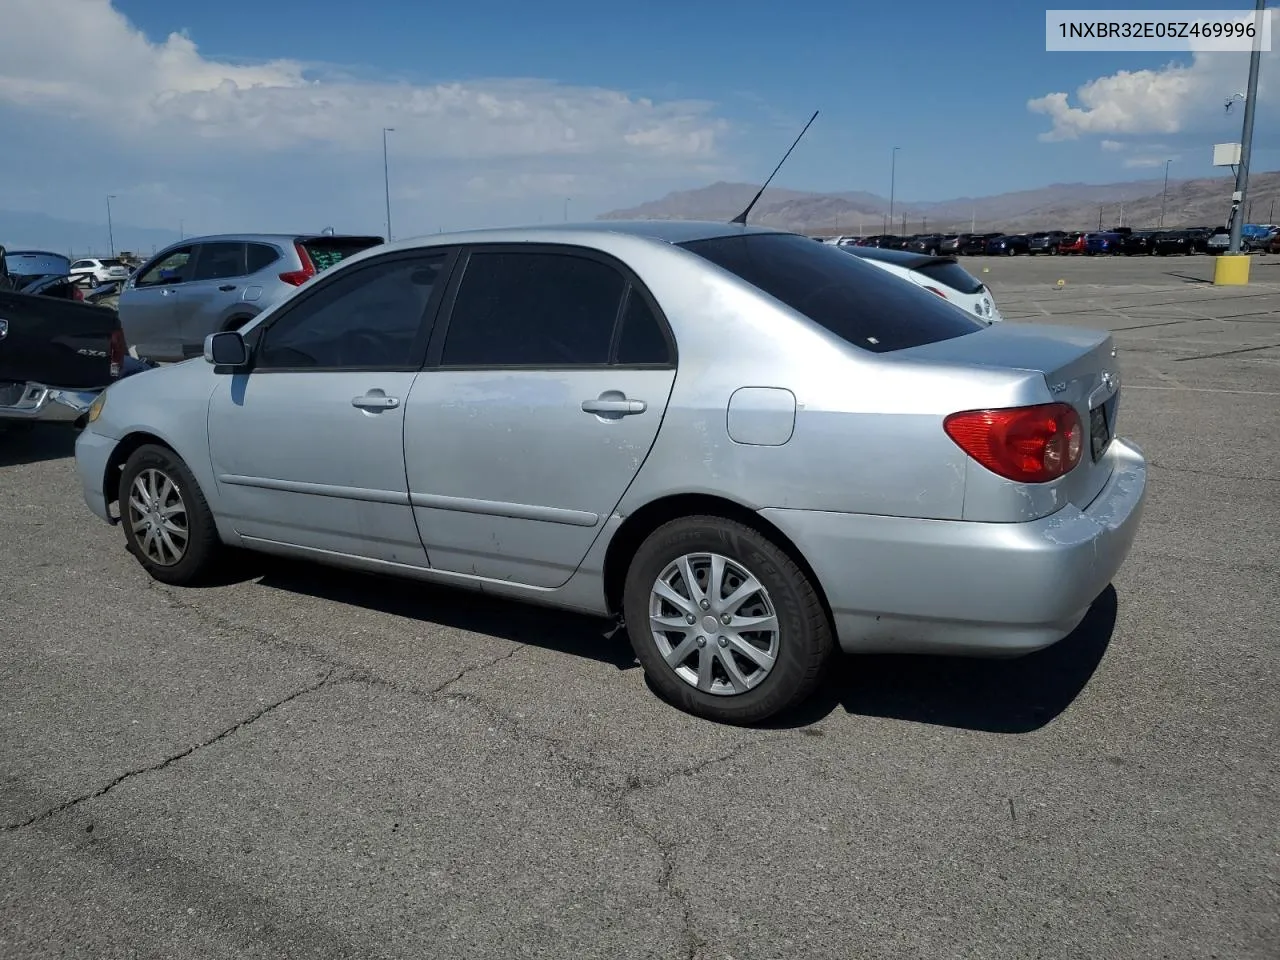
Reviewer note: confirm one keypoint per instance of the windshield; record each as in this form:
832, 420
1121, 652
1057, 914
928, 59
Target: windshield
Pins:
860, 303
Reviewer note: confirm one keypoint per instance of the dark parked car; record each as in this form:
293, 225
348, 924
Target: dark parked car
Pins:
930, 243
1008, 245
1105, 241
1132, 244
1165, 243
56, 352
1045, 242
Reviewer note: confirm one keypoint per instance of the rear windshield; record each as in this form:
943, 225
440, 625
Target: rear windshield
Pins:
327, 251
952, 275
864, 305
113, 263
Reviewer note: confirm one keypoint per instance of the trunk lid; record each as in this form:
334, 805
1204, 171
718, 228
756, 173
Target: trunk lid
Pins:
57, 342
1079, 367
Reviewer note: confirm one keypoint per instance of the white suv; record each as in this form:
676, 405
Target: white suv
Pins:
93, 270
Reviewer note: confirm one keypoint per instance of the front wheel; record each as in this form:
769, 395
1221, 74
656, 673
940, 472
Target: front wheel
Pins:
167, 521
726, 625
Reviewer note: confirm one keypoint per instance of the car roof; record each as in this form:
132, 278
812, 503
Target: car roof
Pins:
667, 231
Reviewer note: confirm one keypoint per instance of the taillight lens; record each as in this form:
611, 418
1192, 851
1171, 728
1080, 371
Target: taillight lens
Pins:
937, 291
77, 294
116, 349
1026, 444
299, 277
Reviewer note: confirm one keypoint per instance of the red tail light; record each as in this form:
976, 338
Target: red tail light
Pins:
1027, 444
77, 294
937, 291
299, 277
116, 349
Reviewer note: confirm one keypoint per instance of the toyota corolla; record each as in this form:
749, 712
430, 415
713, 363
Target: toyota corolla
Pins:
752, 449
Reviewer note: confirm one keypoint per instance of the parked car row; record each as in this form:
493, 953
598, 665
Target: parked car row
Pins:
854, 453
1255, 238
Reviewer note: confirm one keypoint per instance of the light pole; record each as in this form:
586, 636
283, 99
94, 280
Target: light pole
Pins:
1246, 136
111, 236
893, 176
182, 234
1165, 194
386, 177
566, 208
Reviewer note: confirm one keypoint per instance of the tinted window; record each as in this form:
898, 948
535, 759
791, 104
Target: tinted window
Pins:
641, 339
112, 263
533, 309
325, 252
859, 302
372, 317
174, 267
260, 257
952, 275
218, 261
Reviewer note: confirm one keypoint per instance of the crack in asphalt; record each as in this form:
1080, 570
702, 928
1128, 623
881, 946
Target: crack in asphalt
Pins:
584, 771
155, 767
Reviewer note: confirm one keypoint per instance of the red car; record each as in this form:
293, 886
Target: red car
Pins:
1072, 244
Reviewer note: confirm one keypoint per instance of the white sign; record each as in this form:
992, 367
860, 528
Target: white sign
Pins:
1148, 31
1226, 154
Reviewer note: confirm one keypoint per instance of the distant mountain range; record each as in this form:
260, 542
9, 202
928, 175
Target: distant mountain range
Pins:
37, 231
1064, 206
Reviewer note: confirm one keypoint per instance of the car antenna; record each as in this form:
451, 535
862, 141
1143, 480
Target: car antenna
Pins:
742, 217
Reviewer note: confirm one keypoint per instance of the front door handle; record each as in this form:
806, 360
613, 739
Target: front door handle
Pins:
616, 407
373, 401
227, 286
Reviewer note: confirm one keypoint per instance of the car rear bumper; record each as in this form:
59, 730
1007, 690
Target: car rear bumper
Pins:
49, 404
906, 585
93, 451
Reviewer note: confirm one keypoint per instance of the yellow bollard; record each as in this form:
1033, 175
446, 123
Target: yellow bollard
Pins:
1231, 270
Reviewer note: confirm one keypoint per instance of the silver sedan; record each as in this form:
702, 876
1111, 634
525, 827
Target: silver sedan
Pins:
752, 449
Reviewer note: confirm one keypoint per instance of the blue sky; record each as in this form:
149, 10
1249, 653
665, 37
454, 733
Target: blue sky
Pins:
269, 115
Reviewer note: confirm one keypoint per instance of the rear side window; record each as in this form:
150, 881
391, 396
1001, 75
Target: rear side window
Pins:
220, 260
533, 310
858, 302
641, 340
952, 275
261, 256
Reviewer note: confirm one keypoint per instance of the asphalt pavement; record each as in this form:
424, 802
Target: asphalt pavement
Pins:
305, 763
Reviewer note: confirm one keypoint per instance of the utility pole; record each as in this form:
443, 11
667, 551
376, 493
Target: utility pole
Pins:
566, 208
386, 177
893, 176
111, 236
182, 234
1165, 194
1246, 136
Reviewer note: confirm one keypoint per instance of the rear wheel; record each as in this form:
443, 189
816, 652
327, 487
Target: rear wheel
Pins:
235, 323
167, 521
726, 625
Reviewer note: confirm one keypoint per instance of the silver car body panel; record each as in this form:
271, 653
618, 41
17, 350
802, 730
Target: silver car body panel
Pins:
915, 545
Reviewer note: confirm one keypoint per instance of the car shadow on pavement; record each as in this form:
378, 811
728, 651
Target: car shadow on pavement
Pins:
33, 443
998, 696
569, 633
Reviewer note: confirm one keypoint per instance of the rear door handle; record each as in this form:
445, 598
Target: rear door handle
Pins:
620, 407
375, 402
227, 286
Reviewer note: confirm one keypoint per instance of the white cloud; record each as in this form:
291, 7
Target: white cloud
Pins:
1177, 99
1113, 146
1143, 163
169, 121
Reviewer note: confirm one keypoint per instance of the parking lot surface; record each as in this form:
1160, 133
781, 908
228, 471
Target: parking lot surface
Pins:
306, 763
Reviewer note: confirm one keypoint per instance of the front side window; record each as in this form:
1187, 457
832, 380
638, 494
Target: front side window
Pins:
858, 302
369, 318
533, 309
177, 266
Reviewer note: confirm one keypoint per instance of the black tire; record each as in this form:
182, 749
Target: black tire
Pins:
235, 323
805, 642
202, 552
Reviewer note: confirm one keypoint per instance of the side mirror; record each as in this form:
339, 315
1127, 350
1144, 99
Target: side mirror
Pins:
226, 349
